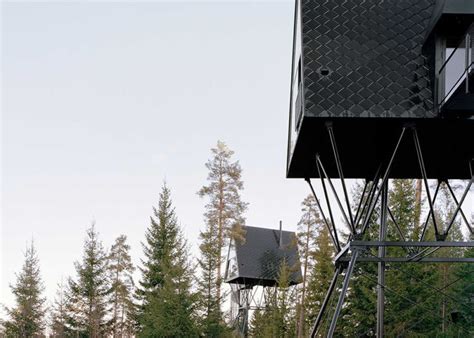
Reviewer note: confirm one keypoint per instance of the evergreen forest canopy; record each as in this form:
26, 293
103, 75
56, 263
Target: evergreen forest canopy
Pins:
177, 296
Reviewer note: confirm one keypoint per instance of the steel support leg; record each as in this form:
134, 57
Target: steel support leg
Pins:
320, 166
425, 180
384, 180
342, 295
453, 218
460, 210
322, 310
341, 175
381, 264
425, 226
334, 236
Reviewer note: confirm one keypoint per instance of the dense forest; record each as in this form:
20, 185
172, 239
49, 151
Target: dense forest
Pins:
176, 296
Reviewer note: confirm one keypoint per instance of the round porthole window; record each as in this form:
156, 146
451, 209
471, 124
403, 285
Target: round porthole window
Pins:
324, 71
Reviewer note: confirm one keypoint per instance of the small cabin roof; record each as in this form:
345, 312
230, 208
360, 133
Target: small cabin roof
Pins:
259, 258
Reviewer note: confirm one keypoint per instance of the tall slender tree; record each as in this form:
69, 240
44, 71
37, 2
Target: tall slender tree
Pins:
89, 292
321, 274
211, 323
307, 232
405, 301
120, 273
27, 317
225, 208
59, 318
167, 308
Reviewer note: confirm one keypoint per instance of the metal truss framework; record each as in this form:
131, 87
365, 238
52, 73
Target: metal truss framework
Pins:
246, 298
375, 196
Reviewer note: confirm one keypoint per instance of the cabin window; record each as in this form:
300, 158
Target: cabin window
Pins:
455, 64
298, 95
232, 268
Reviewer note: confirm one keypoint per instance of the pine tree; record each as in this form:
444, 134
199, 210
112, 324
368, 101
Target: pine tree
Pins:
88, 294
59, 318
316, 255
167, 308
225, 208
27, 317
120, 273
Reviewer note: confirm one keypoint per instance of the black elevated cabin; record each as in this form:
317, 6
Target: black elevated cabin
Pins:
258, 259
366, 69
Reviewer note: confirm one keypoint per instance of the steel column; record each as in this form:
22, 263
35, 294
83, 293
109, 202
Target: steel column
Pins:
460, 210
314, 330
334, 237
341, 175
381, 264
425, 180
384, 179
342, 295
459, 206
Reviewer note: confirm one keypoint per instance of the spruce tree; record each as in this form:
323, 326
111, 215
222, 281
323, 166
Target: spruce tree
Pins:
409, 283
167, 308
462, 317
26, 319
89, 292
321, 274
447, 272
121, 323
360, 306
224, 210
59, 318
211, 323
278, 318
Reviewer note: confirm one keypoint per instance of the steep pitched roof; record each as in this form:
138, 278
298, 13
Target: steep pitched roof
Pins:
259, 258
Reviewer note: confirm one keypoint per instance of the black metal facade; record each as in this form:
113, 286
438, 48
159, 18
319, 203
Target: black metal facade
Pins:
372, 54
369, 69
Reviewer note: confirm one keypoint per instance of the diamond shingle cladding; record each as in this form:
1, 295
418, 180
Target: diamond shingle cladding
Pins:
372, 52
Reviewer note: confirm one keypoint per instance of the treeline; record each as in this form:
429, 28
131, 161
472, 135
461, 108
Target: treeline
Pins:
177, 296
421, 299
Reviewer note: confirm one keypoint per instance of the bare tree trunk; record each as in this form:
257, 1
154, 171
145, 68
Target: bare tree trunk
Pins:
418, 191
220, 232
300, 326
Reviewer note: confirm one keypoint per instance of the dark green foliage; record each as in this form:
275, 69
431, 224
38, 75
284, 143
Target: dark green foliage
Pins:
120, 273
26, 319
359, 311
278, 318
211, 322
462, 315
88, 293
167, 308
59, 317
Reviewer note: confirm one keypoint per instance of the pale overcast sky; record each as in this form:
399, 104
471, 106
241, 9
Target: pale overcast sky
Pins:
102, 101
